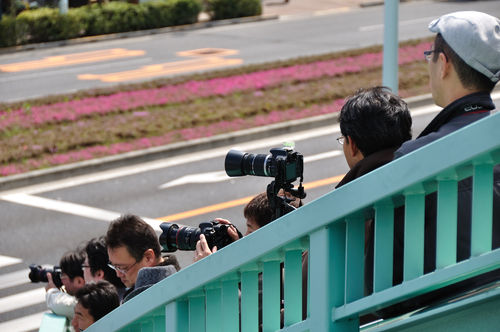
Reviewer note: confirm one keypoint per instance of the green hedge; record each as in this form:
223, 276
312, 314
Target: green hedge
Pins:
223, 9
47, 24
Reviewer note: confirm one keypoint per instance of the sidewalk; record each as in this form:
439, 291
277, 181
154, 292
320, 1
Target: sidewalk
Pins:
304, 7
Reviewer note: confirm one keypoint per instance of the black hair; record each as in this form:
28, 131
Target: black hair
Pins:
97, 255
258, 210
376, 119
71, 263
135, 234
98, 298
469, 77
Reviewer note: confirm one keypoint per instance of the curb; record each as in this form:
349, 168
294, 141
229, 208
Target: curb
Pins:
139, 33
175, 149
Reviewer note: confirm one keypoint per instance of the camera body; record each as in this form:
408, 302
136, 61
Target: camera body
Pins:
283, 163
184, 238
39, 274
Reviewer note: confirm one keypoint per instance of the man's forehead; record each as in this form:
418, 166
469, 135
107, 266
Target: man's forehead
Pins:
119, 254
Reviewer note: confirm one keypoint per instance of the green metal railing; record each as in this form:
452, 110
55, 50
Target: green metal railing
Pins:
221, 292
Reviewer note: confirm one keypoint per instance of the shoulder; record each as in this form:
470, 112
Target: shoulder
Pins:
446, 129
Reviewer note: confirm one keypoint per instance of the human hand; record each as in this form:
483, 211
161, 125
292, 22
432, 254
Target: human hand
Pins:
50, 282
231, 231
202, 249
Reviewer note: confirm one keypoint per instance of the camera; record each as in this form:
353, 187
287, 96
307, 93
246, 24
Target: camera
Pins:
39, 274
175, 238
282, 162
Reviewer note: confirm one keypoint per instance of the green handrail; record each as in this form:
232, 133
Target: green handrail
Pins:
207, 295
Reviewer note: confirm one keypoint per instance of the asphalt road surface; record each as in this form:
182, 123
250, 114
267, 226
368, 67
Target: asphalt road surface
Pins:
38, 224
42, 72
41, 222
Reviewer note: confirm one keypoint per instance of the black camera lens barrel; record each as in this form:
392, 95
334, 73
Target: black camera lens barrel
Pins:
238, 163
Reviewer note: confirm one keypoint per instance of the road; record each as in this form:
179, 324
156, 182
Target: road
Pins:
41, 222
42, 72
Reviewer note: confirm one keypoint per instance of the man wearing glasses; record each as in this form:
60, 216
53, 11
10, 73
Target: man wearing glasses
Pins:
135, 254
464, 67
95, 267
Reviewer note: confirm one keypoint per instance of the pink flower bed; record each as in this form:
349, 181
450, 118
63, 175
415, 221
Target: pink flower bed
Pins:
123, 101
182, 135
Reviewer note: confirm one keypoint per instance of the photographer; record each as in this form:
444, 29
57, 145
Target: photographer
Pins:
62, 301
95, 300
257, 213
96, 268
135, 254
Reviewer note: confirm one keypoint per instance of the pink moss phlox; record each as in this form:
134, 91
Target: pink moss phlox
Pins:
184, 134
123, 101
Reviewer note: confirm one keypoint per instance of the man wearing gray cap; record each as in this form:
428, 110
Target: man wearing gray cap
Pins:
464, 66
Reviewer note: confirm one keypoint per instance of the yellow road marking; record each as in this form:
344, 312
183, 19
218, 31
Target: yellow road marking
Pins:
71, 59
241, 201
162, 69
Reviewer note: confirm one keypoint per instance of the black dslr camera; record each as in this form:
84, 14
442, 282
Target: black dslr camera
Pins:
284, 164
39, 274
174, 238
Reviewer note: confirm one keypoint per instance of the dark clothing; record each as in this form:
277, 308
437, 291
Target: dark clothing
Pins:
148, 276
364, 166
458, 114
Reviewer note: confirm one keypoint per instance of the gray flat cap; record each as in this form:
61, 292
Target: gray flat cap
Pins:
475, 37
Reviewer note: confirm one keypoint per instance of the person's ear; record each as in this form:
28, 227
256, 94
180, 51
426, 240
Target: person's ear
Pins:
80, 282
150, 257
445, 65
99, 274
351, 145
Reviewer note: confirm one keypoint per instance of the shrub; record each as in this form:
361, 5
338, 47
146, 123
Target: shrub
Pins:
47, 24
224, 9
8, 35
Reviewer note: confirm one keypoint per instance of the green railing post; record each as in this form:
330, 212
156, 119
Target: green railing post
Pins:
355, 257
446, 226
214, 307
414, 233
383, 246
271, 277
250, 299
230, 304
177, 316
482, 208
196, 302
293, 287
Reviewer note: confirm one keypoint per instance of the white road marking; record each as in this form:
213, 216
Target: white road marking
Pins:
21, 300
70, 208
324, 155
14, 279
168, 162
6, 260
26, 323
211, 177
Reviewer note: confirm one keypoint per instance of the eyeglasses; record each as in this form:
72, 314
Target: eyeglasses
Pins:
427, 54
85, 266
122, 270
341, 140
